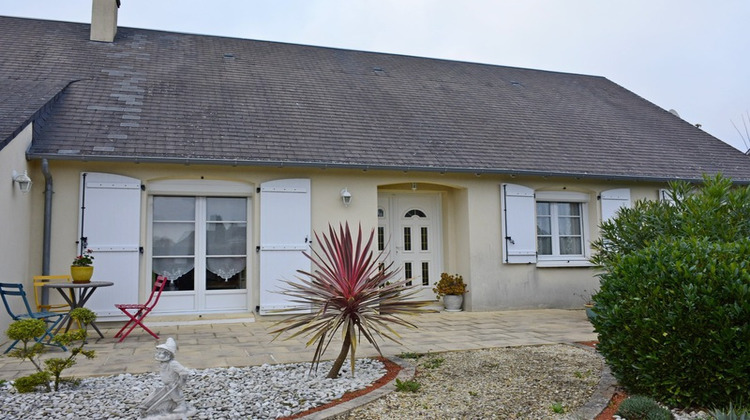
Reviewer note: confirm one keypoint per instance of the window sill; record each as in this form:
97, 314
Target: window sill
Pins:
564, 263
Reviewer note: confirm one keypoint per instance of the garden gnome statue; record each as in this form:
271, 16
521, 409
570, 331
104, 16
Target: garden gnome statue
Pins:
167, 401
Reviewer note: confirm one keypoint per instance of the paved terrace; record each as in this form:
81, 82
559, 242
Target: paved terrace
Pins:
223, 342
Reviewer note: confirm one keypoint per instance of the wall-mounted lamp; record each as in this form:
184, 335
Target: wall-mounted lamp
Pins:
23, 180
346, 197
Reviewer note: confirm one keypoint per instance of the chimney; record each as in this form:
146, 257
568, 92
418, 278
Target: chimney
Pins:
104, 20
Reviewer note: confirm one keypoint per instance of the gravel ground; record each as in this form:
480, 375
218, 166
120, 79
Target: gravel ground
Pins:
536, 382
502, 383
258, 392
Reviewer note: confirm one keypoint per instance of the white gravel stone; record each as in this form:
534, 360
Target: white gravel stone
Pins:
258, 392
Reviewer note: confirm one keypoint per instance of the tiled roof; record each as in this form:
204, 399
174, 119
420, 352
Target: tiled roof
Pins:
173, 97
21, 101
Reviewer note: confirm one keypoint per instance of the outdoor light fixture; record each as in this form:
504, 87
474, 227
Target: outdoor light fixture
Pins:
23, 180
346, 197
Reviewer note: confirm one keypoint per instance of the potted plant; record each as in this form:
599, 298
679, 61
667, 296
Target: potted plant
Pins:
81, 270
589, 304
451, 288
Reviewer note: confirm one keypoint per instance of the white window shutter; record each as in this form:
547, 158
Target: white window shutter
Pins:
284, 235
666, 195
519, 225
613, 200
110, 225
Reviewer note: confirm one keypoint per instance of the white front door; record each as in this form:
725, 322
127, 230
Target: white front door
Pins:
409, 230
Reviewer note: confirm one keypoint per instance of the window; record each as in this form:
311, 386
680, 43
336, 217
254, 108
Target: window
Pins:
415, 212
553, 228
561, 218
219, 223
559, 230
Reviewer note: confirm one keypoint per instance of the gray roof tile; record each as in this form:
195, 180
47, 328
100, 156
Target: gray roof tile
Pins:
172, 97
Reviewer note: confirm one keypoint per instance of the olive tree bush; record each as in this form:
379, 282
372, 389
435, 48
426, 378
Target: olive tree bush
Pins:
673, 308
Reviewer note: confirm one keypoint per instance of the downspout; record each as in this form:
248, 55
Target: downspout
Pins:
47, 217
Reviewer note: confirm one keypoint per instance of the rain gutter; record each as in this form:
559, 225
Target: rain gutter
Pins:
364, 167
47, 217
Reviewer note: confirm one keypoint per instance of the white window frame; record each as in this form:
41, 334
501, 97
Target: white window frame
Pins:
235, 300
557, 260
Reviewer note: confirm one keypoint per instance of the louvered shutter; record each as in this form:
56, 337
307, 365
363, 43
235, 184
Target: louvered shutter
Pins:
518, 224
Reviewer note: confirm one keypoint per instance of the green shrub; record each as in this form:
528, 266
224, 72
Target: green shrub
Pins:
639, 407
27, 329
37, 381
674, 301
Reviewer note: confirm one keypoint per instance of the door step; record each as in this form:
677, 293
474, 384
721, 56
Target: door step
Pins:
199, 319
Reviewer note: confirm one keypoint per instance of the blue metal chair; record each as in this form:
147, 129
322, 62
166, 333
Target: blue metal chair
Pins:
51, 318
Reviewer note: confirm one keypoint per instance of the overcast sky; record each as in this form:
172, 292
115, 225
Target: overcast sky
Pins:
692, 56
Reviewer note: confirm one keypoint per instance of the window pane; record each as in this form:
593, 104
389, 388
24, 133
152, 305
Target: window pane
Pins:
173, 238
544, 225
425, 274
407, 273
226, 208
544, 246
570, 246
568, 209
569, 225
407, 239
179, 272
424, 239
381, 238
414, 212
174, 208
226, 238
543, 208
225, 273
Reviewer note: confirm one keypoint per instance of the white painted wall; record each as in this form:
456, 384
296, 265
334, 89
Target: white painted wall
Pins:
16, 250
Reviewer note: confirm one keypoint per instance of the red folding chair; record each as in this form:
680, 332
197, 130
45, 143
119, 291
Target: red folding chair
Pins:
138, 311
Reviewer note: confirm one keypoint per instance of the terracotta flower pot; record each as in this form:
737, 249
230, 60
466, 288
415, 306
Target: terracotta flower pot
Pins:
81, 274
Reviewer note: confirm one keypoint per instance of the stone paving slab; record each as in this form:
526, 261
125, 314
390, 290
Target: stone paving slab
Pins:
249, 343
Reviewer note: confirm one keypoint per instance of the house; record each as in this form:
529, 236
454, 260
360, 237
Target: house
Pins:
214, 160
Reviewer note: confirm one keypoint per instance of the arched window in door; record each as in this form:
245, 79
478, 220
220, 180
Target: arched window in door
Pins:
415, 212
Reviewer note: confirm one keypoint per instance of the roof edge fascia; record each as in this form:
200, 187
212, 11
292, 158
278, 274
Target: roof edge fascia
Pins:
362, 167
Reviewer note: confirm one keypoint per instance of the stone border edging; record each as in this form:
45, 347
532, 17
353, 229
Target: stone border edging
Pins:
602, 394
407, 372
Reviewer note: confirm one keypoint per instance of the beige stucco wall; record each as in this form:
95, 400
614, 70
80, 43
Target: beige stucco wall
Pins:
471, 228
18, 253
495, 285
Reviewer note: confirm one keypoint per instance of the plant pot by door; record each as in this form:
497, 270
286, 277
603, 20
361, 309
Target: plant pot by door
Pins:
590, 312
81, 274
453, 303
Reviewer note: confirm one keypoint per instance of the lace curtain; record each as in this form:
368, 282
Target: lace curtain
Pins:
172, 268
225, 268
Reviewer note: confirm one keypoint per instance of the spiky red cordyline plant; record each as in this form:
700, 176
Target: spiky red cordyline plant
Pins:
347, 289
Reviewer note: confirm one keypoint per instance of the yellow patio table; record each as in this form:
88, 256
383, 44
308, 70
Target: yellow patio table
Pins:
81, 294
